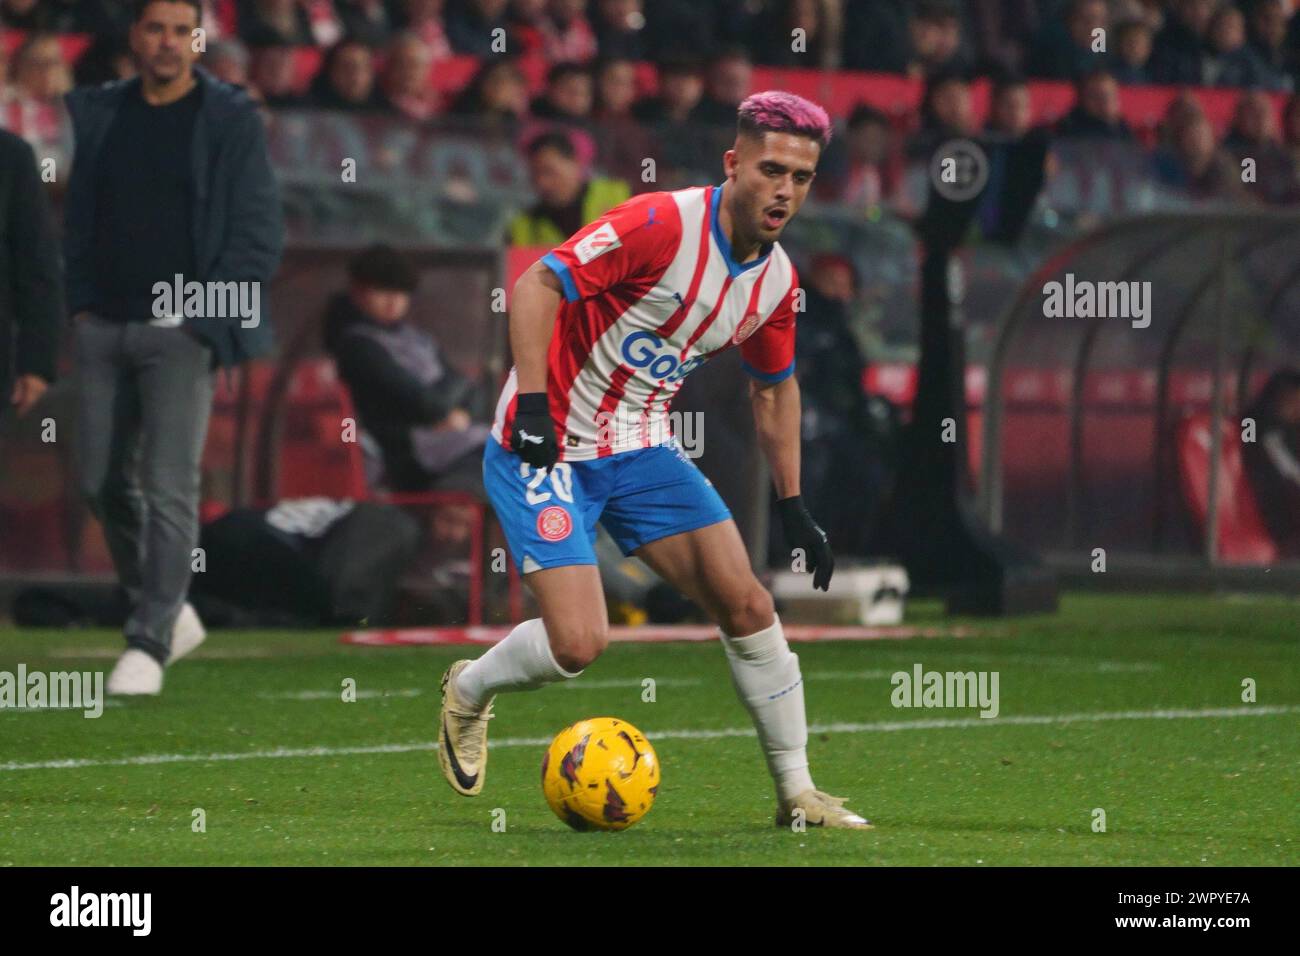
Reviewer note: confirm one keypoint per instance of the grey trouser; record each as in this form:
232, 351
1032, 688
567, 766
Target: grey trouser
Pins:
144, 393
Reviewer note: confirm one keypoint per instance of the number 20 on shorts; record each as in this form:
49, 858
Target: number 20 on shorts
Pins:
561, 482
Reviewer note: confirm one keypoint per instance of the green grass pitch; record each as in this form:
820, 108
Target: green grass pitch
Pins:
1130, 705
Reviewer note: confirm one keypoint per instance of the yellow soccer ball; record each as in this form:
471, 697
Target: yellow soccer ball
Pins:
600, 774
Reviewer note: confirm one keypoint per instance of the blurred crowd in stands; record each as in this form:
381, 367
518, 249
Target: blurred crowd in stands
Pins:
1251, 43
599, 58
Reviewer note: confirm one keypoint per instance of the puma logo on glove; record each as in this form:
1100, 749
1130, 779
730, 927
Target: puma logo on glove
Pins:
532, 437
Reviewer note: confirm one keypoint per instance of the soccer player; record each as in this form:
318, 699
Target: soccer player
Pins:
604, 330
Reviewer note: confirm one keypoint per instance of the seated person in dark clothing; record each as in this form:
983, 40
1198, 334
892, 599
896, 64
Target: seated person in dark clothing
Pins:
346, 80
569, 96
946, 114
1272, 460
681, 85
1180, 50
1097, 111
668, 117
306, 562
862, 168
844, 441
1131, 63
726, 83
410, 401
1065, 47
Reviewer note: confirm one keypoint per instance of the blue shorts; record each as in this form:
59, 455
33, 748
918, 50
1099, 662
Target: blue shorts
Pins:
639, 496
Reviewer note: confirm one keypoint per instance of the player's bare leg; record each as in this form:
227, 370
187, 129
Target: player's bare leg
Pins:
710, 566
571, 633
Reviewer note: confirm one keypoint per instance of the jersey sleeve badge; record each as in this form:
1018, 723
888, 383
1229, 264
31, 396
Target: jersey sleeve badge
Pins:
597, 243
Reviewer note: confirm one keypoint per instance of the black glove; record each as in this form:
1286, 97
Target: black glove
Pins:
533, 434
802, 532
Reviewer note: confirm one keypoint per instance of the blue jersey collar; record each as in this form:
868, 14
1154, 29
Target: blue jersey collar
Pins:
724, 246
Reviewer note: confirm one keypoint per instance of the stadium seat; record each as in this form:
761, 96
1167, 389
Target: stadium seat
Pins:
1243, 539
310, 458
302, 454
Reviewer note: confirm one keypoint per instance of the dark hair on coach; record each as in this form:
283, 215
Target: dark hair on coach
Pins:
142, 5
381, 266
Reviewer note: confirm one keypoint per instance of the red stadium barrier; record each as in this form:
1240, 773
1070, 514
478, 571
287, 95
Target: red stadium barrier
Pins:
1118, 429
1243, 537
896, 381
840, 91
518, 259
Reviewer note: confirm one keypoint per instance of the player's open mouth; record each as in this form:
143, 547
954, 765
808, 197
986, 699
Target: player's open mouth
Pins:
774, 218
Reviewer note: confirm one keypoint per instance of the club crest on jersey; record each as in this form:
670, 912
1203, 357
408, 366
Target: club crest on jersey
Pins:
597, 243
746, 328
554, 523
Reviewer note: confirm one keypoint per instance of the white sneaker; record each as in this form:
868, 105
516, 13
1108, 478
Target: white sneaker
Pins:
135, 673
820, 809
187, 633
462, 737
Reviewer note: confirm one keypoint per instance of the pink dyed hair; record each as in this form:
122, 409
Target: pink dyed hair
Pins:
780, 112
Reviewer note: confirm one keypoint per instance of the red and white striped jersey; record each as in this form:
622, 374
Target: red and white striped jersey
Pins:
651, 292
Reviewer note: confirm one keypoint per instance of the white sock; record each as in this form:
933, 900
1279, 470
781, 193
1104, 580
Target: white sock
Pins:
523, 661
766, 675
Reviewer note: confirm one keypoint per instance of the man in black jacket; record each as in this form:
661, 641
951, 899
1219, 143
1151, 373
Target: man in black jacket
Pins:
31, 279
172, 226
409, 398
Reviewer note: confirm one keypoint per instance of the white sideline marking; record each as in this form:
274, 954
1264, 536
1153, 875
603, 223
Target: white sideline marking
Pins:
629, 682
338, 694
419, 691
852, 675
879, 726
1245, 597
207, 653
107, 702
959, 661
